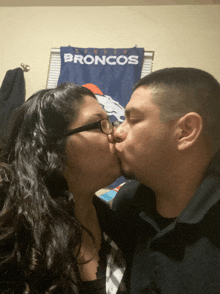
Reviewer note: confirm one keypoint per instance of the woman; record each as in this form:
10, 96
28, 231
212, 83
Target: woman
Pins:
58, 155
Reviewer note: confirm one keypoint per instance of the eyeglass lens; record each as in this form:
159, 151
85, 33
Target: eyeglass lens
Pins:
106, 126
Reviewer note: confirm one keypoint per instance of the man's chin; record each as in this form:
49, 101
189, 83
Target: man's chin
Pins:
128, 175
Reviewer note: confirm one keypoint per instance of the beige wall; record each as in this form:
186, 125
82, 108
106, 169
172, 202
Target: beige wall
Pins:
180, 35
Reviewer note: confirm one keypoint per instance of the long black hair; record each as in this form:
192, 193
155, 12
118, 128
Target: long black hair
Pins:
38, 230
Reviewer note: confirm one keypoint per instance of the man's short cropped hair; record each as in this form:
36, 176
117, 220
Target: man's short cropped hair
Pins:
180, 90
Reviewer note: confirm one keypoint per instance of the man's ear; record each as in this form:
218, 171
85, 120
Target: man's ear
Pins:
188, 129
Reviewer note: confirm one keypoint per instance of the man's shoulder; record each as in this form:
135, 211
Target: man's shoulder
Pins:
113, 224
125, 195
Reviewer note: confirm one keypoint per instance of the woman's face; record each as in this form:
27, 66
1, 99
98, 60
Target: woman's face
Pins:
91, 160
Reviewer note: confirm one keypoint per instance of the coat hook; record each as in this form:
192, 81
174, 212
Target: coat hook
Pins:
25, 67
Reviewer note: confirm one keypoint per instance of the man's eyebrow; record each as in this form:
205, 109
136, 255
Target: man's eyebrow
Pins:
131, 109
128, 111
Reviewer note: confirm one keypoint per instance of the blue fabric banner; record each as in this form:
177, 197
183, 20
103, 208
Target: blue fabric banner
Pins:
109, 73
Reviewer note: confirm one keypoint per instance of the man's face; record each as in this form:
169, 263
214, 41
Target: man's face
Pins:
144, 143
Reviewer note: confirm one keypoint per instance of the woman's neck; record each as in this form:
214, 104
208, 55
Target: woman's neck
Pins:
85, 213
91, 238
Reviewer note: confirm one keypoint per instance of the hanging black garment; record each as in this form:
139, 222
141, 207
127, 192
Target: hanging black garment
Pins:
12, 95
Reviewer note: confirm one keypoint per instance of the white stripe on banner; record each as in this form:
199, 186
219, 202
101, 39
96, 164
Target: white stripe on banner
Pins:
55, 64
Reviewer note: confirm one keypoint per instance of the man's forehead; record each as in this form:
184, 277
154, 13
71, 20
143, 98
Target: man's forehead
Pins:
141, 97
143, 92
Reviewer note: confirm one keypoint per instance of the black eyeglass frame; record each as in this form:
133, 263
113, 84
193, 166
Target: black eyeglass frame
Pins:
92, 126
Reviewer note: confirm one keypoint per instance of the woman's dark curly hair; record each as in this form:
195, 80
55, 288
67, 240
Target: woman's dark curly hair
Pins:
39, 234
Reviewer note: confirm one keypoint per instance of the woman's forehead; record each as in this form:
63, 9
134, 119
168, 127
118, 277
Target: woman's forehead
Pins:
89, 111
91, 105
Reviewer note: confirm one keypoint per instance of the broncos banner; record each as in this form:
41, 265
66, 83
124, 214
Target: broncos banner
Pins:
110, 74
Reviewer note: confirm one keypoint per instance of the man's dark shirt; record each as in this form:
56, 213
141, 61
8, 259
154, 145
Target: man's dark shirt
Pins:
181, 256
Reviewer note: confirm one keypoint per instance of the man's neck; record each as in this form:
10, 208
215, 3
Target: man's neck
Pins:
175, 191
172, 205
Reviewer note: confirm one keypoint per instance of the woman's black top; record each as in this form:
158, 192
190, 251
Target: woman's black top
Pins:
98, 286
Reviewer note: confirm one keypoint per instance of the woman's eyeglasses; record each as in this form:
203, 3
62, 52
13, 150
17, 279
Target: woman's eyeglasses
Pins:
105, 125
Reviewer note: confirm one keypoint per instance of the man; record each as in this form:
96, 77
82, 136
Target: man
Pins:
169, 143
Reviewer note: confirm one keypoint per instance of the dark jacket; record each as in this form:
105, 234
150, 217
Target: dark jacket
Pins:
113, 224
12, 95
184, 256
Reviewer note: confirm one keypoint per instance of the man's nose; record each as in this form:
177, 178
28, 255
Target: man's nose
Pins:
119, 133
